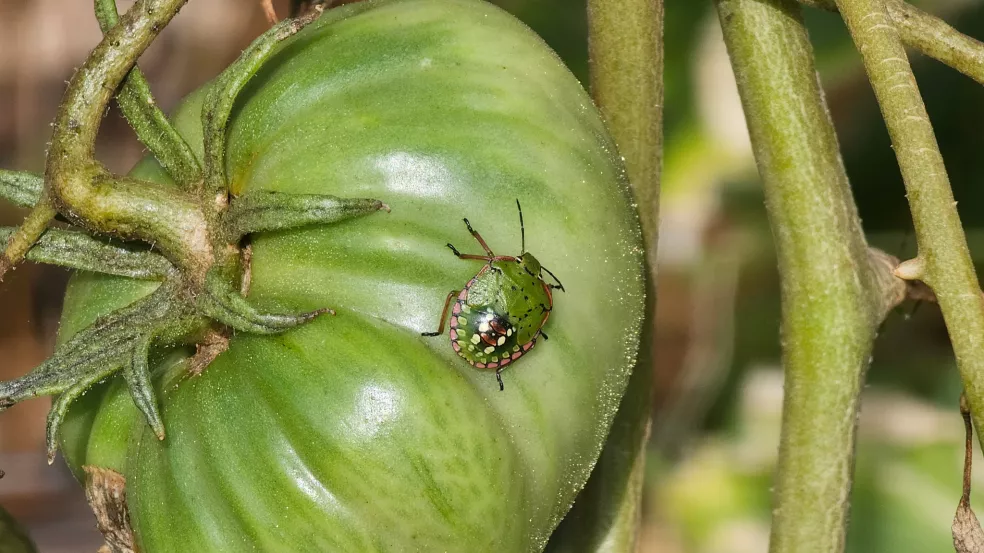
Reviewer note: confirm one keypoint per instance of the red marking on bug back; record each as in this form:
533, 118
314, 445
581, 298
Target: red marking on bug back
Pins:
480, 365
488, 339
453, 334
497, 326
456, 346
492, 366
506, 361
457, 307
527, 346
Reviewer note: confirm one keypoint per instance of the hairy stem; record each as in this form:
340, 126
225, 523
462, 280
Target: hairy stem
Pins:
83, 190
944, 257
147, 120
930, 35
833, 289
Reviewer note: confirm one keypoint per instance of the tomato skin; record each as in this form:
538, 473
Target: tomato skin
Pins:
354, 433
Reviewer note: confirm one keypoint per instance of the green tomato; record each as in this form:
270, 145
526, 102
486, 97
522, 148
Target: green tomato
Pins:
354, 432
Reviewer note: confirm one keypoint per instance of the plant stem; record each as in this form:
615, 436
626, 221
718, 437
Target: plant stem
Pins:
943, 253
147, 120
85, 192
626, 56
930, 35
835, 291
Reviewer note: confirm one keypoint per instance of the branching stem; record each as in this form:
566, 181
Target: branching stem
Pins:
835, 291
930, 35
945, 258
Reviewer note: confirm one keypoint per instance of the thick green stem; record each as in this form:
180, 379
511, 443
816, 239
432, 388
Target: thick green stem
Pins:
944, 259
930, 35
83, 190
833, 289
626, 55
147, 120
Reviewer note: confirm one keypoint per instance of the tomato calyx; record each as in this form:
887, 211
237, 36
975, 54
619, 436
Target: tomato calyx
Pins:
192, 233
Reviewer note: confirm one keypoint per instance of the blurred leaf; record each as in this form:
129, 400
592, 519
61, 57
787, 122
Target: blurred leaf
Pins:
13, 537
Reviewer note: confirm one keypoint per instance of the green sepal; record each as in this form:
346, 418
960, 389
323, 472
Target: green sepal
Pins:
262, 211
20, 188
147, 120
96, 353
225, 304
222, 95
78, 250
137, 375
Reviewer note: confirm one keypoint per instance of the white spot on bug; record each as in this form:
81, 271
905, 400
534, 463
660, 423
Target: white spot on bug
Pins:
489, 349
462, 321
484, 327
509, 332
475, 338
502, 340
465, 308
471, 347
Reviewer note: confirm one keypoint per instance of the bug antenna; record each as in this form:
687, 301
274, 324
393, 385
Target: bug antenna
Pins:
522, 228
559, 283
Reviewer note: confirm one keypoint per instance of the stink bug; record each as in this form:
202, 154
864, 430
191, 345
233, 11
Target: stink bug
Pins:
500, 313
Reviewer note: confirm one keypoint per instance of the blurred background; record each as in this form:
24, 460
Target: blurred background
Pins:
719, 389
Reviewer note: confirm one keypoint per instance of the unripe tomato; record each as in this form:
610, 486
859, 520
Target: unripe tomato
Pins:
354, 432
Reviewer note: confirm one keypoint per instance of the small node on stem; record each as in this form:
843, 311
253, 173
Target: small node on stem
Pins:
213, 344
911, 269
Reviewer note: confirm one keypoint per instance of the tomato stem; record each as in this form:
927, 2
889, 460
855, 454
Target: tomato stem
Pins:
194, 232
74, 181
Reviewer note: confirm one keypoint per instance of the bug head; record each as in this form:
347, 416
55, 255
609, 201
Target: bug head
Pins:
530, 263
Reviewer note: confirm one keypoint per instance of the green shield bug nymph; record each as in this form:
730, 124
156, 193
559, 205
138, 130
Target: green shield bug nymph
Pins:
500, 313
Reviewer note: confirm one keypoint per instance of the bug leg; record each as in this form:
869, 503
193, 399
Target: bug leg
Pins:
498, 378
460, 255
545, 337
479, 238
559, 285
444, 314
